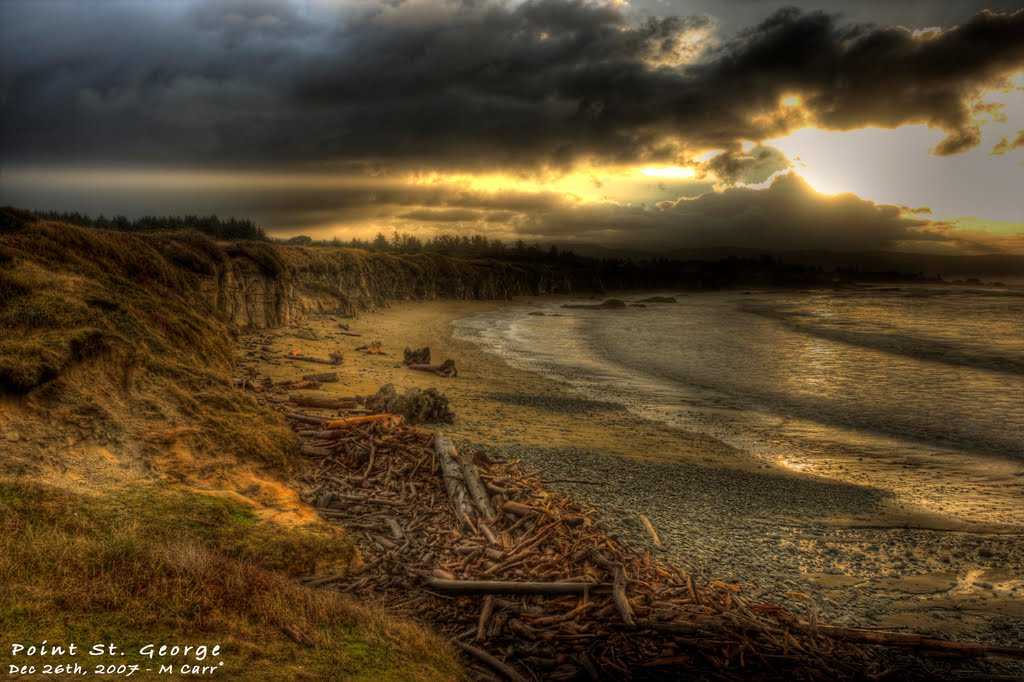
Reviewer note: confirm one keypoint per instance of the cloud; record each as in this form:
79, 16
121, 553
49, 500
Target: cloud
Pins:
787, 215
751, 167
465, 83
1005, 145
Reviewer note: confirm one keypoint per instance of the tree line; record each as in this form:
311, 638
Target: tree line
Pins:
210, 225
466, 246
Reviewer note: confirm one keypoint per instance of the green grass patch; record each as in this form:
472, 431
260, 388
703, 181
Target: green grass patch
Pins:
155, 564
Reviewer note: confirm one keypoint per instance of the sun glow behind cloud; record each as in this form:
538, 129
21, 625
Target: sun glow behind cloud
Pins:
894, 166
675, 172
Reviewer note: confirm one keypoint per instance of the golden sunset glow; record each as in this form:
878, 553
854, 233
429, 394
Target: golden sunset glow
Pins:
669, 172
502, 149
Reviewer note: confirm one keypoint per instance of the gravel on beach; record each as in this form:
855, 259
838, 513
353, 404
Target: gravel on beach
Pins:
774, 532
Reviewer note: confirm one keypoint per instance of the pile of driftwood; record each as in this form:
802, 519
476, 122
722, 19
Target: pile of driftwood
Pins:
529, 585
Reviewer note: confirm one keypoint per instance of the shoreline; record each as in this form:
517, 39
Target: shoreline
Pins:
718, 510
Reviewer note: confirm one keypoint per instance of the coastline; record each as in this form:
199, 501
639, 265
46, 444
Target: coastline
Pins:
720, 511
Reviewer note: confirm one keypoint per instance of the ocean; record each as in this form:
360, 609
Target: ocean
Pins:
794, 376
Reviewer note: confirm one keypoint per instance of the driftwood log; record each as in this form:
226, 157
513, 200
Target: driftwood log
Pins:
356, 421
303, 385
322, 403
475, 486
447, 458
322, 377
558, 597
445, 369
372, 348
334, 359
512, 586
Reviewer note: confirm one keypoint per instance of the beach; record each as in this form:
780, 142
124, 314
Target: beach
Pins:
847, 540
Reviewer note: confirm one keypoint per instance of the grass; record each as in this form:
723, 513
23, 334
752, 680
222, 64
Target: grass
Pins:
154, 564
84, 306
115, 340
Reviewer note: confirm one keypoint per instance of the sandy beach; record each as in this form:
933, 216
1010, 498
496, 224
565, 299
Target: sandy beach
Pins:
858, 542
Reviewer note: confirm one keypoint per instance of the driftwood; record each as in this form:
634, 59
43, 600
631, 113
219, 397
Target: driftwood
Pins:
539, 568
447, 458
491, 661
334, 359
372, 348
471, 477
445, 369
511, 587
322, 377
305, 418
322, 403
650, 529
485, 617
300, 385
420, 356
618, 587
357, 421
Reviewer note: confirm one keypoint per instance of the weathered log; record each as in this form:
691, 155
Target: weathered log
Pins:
305, 418
420, 356
512, 587
356, 421
445, 369
311, 451
491, 661
475, 485
520, 509
322, 377
301, 385
485, 615
323, 403
618, 586
650, 529
454, 484
335, 359
372, 348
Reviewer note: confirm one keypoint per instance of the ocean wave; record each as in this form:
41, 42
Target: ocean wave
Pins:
919, 348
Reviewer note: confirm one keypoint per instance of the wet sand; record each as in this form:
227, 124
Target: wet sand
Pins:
873, 544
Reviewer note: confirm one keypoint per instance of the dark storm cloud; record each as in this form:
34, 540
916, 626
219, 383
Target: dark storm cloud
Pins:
789, 214
469, 84
752, 167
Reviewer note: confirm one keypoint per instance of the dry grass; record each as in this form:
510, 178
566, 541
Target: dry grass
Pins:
157, 565
109, 338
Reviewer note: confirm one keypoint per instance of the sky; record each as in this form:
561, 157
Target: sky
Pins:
647, 124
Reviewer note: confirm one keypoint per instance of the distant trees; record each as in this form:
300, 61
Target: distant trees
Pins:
234, 229
466, 246
211, 225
